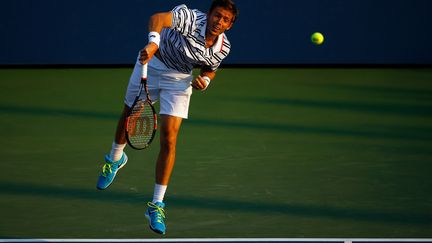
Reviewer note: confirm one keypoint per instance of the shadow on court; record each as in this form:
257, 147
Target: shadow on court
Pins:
422, 110
24, 189
406, 133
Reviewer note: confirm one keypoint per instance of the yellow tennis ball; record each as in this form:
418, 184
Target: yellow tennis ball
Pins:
317, 38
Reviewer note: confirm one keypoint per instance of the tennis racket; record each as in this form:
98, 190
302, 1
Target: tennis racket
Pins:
141, 121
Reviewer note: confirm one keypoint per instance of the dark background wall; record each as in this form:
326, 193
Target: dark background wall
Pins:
271, 31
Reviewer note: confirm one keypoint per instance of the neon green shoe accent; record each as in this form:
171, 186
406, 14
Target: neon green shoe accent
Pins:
156, 215
109, 171
106, 169
160, 210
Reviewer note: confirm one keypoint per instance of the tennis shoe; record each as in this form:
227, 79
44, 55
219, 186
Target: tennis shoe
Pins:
155, 213
109, 171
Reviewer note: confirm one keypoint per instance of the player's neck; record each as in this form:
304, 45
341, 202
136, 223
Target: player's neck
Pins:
210, 40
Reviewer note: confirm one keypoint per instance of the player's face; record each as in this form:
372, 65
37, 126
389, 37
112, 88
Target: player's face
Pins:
219, 20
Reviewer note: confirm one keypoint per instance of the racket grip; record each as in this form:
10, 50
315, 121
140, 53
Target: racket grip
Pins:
144, 71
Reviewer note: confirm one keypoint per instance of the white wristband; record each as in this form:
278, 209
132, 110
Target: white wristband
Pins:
207, 79
154, 37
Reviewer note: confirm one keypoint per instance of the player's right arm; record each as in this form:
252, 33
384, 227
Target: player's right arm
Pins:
157, 22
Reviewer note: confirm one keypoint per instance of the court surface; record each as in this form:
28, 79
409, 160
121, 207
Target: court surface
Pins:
266, 153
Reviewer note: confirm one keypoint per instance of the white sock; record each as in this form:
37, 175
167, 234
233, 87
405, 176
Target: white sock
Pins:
116, 151
159, 193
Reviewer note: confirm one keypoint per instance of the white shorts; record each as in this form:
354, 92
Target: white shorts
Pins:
172, 88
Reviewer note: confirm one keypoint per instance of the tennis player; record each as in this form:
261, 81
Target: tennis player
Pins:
178, 41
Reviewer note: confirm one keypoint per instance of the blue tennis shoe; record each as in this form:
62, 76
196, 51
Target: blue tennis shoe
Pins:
155, 213
109, 171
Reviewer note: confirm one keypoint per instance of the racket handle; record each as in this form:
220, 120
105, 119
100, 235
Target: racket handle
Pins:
144, 71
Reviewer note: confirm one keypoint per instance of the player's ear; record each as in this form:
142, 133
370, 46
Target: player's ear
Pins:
230, 26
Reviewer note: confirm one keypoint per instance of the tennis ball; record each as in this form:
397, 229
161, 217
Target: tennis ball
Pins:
317, 38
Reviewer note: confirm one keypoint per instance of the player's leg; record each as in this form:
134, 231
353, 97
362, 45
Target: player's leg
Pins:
120, 137
170, 126
117, 158
174, 106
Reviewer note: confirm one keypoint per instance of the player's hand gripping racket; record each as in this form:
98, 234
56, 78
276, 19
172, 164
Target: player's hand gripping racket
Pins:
141, 122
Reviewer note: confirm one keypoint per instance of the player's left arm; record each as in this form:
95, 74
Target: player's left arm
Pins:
202, 81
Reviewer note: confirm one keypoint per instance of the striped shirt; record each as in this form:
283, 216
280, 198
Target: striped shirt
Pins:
183, 45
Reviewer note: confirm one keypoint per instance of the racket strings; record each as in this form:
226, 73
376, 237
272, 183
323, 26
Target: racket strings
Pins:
141, 124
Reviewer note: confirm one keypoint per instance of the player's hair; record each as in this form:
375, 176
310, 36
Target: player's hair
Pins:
226, 4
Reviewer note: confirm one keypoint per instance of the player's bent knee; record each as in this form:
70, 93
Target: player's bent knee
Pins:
168, 143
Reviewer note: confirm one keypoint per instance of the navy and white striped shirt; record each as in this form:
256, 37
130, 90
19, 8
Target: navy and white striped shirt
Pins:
183, 45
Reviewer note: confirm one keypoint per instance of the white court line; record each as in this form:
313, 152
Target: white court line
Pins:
228, 240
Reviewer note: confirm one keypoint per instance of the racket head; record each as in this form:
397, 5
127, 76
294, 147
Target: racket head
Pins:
141, 124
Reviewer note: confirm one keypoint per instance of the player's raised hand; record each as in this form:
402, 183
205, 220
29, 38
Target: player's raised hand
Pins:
147, 52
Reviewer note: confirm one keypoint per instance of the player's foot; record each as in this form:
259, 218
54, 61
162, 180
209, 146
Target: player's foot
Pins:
109, 171
155, 213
